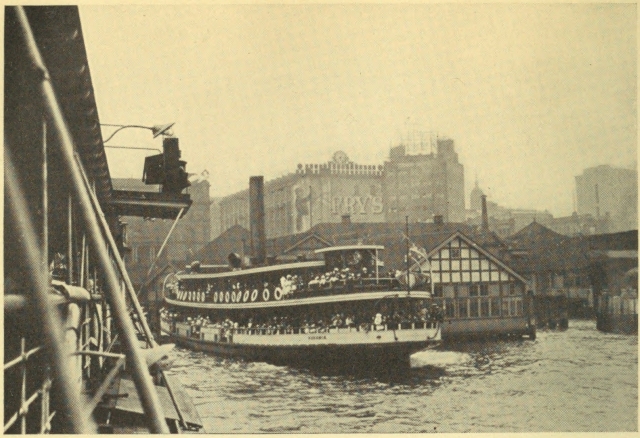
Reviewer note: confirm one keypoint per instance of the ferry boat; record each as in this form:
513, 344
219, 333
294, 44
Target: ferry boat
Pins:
335, 311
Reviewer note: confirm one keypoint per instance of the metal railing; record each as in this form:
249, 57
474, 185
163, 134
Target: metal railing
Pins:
38, 279
27, 401
199, 332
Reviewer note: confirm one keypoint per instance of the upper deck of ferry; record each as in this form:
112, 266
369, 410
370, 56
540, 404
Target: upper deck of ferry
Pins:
344, 270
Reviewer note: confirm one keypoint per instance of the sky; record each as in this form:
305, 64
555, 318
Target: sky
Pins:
531, 94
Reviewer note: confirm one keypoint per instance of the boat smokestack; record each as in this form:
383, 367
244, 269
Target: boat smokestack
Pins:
256, 219
485, 214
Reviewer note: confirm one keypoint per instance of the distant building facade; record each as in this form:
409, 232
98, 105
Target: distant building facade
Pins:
502, 220
420, 186
579, 225
145, 237
425, 185
315, 193
604, 190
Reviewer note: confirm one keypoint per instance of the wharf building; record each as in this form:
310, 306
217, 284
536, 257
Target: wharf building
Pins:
420, 186
569, 274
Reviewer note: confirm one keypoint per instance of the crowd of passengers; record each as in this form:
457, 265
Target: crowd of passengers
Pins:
290, 285
310, 323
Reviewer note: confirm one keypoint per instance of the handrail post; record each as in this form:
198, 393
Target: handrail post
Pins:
142, 379
118, 258
38, 280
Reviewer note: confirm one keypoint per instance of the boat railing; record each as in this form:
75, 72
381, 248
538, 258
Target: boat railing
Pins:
222, 334
354, 328
26, 400
246, 294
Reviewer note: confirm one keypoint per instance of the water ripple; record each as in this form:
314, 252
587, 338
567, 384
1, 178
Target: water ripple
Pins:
577, 380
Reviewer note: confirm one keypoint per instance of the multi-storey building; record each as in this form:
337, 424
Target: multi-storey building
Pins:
315, 193
422, 186
606, 190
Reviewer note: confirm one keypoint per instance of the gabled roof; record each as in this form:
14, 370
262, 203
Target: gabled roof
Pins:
533, 234
480, 249
312, 236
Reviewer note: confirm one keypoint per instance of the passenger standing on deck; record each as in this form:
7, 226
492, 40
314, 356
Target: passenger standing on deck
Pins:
377, 321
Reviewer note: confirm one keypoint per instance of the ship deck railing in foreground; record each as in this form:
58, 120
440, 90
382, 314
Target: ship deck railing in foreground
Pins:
65, 307
26, 400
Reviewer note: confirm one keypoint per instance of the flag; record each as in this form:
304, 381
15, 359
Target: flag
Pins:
419, 255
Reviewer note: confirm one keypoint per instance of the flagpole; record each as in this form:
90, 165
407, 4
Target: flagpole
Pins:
408, 284
431, 278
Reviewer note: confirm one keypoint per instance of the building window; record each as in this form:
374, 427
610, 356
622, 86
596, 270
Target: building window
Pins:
437, 290
474, 290
474, 308
449, 291
484, 308
455, 253
484, 290
462, 309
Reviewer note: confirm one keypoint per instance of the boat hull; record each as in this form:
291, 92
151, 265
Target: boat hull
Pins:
373, 350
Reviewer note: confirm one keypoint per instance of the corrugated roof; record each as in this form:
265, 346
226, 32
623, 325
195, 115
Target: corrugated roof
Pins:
58, 31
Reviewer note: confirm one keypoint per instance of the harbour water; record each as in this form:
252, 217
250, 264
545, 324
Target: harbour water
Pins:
578, 380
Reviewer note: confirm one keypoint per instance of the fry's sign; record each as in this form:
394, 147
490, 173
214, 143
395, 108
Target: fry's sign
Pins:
356, 205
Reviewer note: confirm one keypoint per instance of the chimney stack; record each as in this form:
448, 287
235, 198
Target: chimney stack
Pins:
485, 214
256, 219
438, 219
